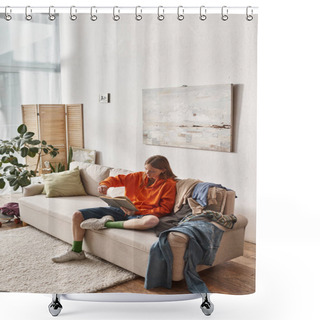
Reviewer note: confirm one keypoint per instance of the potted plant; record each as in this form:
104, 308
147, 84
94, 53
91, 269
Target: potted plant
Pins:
11, 151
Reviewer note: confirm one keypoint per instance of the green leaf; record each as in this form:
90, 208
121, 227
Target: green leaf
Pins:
34, 149
52, 168
24, 152
44, 142
16, 187
13, 182
24, 173
28, 135
13, 160
4, 159
22, 129
31, 154
33, 173
2, 183
45, 150
24, 182
34, 142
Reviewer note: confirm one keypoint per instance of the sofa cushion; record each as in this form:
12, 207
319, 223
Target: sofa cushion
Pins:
91, 175
218, 199
33, 189
63, 184
116, 192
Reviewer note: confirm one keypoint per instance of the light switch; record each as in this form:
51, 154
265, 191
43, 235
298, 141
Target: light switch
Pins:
105, 97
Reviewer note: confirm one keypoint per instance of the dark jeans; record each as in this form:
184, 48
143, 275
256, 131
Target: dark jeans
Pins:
100, 212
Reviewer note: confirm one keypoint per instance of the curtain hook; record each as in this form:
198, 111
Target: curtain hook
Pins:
51, 15
249, 17
160, 16
93, 17
28, 16
138, 16
73, 16
7, 16
224, 15
203, 15
116, 17
180, 16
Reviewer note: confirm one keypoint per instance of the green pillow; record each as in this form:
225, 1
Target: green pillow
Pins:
63, 184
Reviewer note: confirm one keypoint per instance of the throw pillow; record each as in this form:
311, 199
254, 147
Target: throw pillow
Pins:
91, 175
33, 189
63, 184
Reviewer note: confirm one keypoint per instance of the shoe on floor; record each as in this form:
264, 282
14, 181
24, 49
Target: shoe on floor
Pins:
96, 224
69, 256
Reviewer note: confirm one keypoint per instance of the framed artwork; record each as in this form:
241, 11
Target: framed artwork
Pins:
198, 117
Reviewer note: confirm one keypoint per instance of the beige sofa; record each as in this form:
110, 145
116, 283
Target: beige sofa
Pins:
128, 249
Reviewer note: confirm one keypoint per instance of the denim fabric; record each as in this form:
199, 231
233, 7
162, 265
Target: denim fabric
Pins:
200, 192
204, 241
100, 212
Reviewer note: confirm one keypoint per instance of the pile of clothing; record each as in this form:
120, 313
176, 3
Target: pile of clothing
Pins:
192, 217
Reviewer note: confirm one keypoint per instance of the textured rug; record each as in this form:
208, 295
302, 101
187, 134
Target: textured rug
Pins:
26, 266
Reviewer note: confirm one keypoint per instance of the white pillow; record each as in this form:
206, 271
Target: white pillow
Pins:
119, 191
91, 175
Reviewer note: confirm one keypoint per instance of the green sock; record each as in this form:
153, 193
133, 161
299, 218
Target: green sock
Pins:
77, 246
114, 224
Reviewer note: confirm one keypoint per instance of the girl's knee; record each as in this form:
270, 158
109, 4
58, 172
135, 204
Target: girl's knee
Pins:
77, 217
151, 221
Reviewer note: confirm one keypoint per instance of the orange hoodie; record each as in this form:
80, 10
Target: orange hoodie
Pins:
157, 199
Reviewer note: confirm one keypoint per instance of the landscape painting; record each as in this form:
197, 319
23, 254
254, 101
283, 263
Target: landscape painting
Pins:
197, 117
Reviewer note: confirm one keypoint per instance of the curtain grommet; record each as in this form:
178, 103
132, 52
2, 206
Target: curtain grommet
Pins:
52, 17
160, 16
180, 15
116, 17
249, 17
224, 13
138, 16
203, 13
73, 16
7, 16
93, 17
27, 14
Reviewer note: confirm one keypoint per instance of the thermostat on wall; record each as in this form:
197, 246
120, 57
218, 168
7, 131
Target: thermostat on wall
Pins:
105, 97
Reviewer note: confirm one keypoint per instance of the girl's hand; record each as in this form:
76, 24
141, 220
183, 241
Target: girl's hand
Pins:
127, 211
102, 189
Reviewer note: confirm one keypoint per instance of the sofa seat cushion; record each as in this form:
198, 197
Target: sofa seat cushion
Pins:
60, 207
128, 249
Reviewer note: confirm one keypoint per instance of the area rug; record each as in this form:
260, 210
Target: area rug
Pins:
26, 266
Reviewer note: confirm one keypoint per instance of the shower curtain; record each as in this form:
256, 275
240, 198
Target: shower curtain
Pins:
132, 85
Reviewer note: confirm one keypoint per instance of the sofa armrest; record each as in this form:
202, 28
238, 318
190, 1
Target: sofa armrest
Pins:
178, 242
33, 189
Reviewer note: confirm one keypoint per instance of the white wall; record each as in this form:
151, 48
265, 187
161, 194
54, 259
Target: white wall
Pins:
127, 56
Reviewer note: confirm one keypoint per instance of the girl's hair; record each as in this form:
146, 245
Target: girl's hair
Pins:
162, 163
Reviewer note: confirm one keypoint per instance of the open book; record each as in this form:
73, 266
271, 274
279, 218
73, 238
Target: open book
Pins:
118, 202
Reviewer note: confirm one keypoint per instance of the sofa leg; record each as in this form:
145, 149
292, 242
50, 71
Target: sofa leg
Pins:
55, 306
206, 306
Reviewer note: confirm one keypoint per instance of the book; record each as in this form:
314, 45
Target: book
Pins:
121, 201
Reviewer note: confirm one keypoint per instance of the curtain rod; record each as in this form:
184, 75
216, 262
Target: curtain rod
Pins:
124, 10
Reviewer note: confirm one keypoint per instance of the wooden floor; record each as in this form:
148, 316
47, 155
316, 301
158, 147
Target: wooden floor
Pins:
236, 276
233, 277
